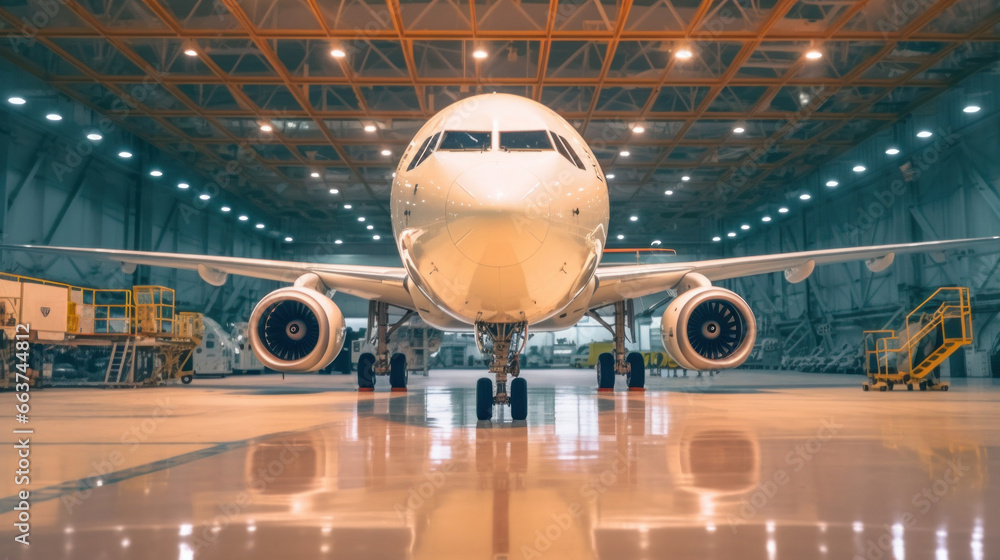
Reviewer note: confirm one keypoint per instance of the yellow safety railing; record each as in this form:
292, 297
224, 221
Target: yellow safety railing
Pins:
189, 325
946, 316
154, 309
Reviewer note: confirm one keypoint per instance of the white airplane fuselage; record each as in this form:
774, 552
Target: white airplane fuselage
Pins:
502, 230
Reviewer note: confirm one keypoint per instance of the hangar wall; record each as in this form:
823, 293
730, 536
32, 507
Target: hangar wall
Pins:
945, 186
58, 194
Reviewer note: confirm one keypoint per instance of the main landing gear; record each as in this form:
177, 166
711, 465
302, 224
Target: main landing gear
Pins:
504, 342
372, 365
632, 365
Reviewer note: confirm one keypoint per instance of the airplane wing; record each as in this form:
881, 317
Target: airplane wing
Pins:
631, 281
387, 284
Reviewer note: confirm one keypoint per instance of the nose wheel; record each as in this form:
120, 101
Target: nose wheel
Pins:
504, 341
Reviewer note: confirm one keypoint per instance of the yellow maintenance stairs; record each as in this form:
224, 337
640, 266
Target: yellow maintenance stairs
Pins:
933, 331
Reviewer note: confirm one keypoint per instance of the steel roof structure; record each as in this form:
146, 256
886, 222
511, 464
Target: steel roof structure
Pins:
198, 79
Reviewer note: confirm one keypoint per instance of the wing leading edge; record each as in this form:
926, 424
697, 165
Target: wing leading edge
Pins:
386, 284
631, 281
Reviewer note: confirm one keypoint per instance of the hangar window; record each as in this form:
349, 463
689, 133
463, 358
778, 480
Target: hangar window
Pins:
562, 145
460, 140
525, 140
426, 149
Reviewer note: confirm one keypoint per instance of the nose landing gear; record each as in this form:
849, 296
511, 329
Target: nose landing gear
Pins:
504, 342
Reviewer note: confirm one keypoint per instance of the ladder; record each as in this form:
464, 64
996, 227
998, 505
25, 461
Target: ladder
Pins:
933, 331
121, 363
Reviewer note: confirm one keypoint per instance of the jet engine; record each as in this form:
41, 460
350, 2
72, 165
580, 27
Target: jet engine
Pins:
296, 329
708, 327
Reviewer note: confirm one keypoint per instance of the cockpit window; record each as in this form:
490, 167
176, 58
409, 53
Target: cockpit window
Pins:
525, 140
563, 147
426, 149
460, 140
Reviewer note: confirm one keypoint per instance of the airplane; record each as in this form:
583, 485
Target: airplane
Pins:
500, 215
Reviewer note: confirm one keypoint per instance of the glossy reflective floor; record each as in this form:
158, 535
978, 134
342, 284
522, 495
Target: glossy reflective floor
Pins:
742, 465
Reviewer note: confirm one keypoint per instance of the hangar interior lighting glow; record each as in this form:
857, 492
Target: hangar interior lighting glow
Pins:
624, 153
370, 128
361, 218
745, 227
124, 154
620, 237
205, 196
686, 178
338, 53
766, 219
971, 109
338, 241
805, 196
370, 227
386, 152
783, 210
859, 168
183, 185
610, 176
716, 238
479, 54
244, 218
633, 218
739, 130
638, 129
814, 54
314, 174
334, 191
94, 136
668, 192
259, 226
347, 207
21, 101
892, 151
731, 234
156, 173
266, 128
54, 117
684, 53
924, 134
288, 239
376, 237
226, 209
832, 183
190, 52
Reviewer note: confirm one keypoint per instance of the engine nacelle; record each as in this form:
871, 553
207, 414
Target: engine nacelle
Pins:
296, 329
708, 328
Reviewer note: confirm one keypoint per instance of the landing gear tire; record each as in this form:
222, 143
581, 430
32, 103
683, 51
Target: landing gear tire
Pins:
484, 398
366, 372
518, 398
187, 379
636, 377
606, 372
397, 371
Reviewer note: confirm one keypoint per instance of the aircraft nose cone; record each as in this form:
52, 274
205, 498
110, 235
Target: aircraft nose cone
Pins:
498, 215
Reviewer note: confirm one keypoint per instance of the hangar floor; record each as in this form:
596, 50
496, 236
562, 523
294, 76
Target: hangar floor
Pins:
742, 465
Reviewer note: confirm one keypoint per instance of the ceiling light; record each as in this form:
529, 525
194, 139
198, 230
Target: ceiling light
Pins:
244, 218
859, 168
684, 53
739, 130
745, 227
634, 218
814, 54
225, 209
94, 136
54, 117
685, 178
620, 237
892, 151
479, 54
766, 219
370, 227
376, 237
805, 196
716, 238
182, 185
266, 128
731, 234
832, 183
314, 175
668, 192
338, 53
21, 101
924, 134
624, 153
968, 108
191, 52
656, 242
370, 128
338, 241
288, 240
259, 226
347, 207
334, 191
782, 210
386, 152
205, 196
124, 154
156, 173
610, 176
638, 129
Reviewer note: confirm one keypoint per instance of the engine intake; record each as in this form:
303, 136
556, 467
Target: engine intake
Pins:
708, 328
296, 329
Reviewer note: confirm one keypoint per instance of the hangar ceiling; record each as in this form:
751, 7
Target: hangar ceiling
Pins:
204, 77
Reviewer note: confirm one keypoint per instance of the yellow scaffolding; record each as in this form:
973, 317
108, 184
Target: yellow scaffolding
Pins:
933, 331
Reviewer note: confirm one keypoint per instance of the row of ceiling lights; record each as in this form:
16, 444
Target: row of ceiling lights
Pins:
832, 183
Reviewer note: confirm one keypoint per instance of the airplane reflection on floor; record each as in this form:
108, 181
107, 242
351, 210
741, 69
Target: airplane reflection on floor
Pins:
797, 473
